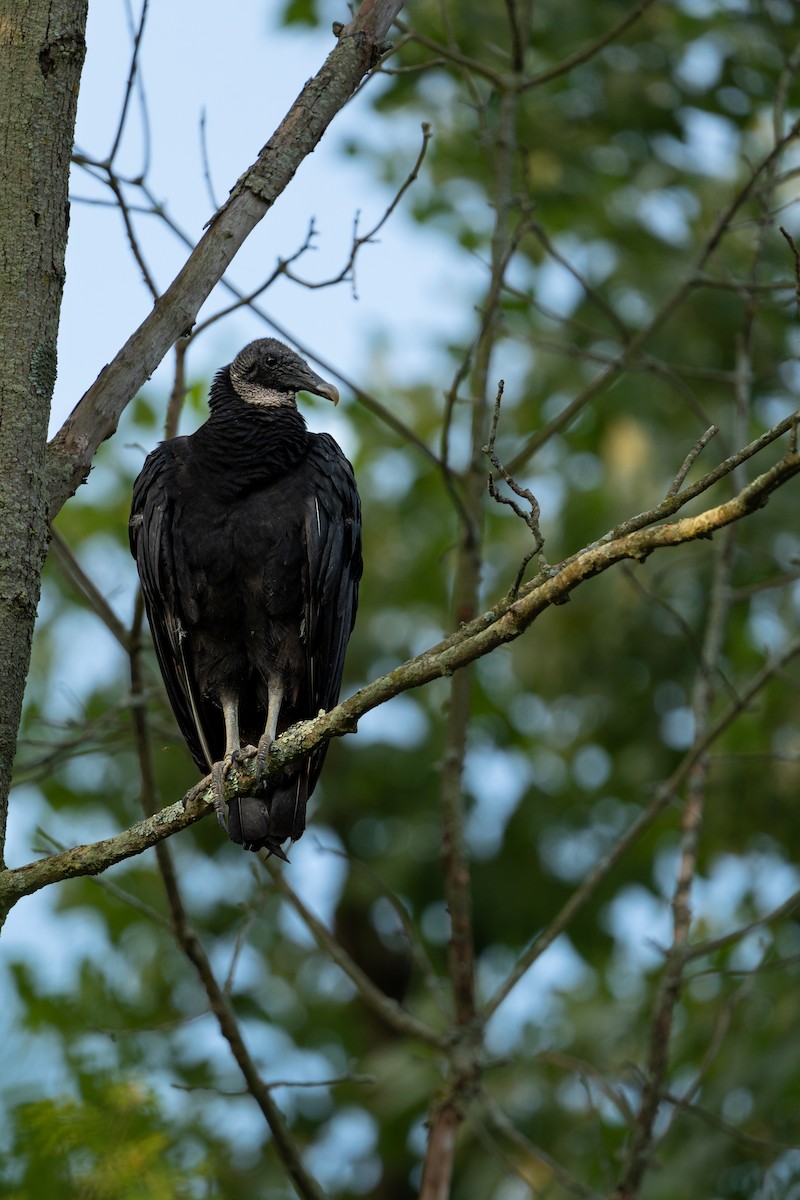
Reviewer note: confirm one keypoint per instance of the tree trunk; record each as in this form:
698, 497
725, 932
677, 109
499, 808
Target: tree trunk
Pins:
42, 47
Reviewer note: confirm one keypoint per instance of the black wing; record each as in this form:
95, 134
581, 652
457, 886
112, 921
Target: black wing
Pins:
331, 570
150, 530
333, 561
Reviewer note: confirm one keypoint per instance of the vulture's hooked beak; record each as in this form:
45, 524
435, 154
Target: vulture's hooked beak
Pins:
319, 387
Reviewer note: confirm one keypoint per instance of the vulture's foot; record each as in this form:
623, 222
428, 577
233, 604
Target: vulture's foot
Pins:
242, 753
218, 772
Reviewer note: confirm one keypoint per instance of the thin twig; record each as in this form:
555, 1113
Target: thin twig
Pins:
109, 887
384, 1006
531, 518
580, 1066
748, 1140
691, 457
359, 240
206, 161
133, 241
796, 257
710, 1055
132, 72
472, 66
178, 393
419, 956
712, 945
673, 504
588, 52
692, 640
247, 300
509, 1130
86, 587
667, 309
599, 301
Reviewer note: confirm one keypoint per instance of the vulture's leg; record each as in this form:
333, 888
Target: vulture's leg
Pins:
274, 701
230, 713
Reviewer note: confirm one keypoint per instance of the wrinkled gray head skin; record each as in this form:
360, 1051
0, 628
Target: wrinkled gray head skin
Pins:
267, 373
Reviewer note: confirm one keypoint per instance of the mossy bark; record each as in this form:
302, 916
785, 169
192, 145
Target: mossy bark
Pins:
42, 47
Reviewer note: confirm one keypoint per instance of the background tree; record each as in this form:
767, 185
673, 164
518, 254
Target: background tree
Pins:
42, 50
540, 937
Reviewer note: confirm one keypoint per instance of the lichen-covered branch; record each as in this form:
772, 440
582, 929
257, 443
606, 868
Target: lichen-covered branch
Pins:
500, 625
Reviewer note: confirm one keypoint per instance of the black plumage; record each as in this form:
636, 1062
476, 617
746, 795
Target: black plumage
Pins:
247, 536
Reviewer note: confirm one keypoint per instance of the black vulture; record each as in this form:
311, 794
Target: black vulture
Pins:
247, 536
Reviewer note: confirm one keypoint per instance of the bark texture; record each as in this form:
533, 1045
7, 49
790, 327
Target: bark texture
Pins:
42, 47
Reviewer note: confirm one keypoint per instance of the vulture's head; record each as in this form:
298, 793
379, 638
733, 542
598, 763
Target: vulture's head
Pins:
267, 373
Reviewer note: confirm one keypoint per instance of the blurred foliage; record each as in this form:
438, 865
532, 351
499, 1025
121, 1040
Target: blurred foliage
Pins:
623, 165
113, 1144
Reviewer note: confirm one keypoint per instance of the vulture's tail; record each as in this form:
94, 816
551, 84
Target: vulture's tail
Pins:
275, 813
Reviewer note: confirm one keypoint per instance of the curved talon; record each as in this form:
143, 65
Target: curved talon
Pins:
264, 744
218, 770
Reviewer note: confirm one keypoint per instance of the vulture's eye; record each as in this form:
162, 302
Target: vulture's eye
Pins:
271, 360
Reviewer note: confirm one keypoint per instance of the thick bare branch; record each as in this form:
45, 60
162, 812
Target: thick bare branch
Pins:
438, 1168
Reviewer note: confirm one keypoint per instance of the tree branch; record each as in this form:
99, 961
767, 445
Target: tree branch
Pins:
384, 1006
664, 796
671, 305
500, 625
